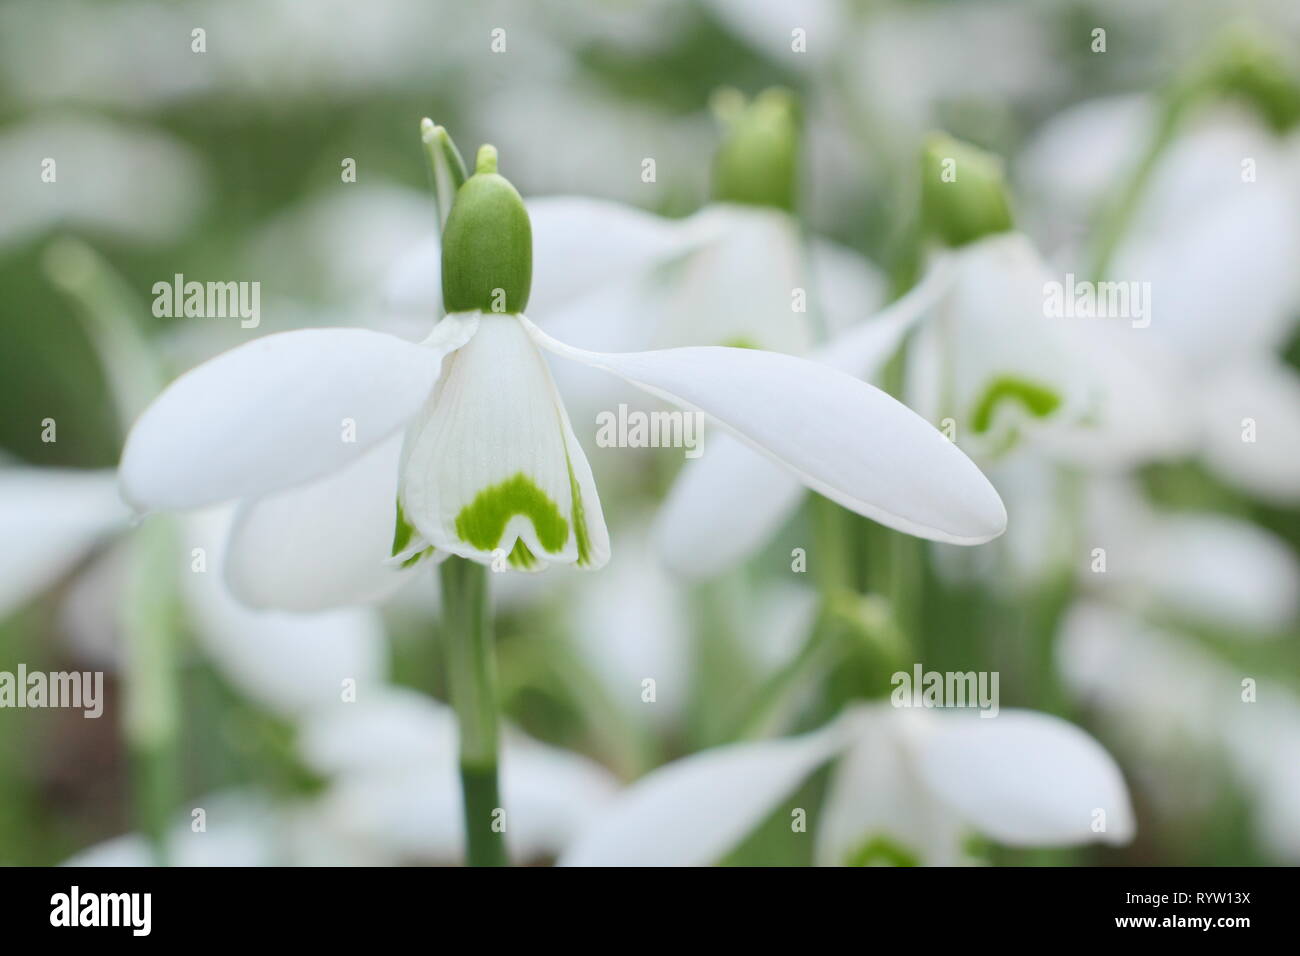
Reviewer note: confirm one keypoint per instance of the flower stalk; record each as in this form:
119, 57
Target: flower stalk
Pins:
151, 721
472, 677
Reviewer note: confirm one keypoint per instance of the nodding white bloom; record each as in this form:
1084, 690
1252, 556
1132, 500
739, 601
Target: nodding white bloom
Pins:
1215, 237
984, 360
908, 786
489, 467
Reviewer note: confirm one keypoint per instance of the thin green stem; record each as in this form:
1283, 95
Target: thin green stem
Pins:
471, 673
153, 705
1117, 216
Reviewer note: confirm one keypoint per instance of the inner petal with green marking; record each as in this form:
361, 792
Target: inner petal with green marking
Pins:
1037, 399
492, 469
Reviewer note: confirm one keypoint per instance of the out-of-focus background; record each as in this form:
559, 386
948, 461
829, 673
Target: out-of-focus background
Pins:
223, 155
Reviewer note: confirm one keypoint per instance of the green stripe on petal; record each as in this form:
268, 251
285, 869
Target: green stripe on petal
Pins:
579, 519
1039, 400
483, 521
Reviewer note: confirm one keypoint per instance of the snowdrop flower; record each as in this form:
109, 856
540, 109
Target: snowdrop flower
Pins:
1214, 234
908, 785
489, 467
983, 359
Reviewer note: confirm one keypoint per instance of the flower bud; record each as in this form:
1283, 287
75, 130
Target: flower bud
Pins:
487, 244
963, 193
757, 163
1253, 70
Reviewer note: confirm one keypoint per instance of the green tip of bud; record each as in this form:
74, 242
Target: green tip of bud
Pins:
428, 130
487, 244
1252, 68
486, 161
758, 160
963, 191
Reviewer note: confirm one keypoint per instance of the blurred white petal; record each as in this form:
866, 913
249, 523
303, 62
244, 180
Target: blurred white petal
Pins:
1196, 566
1258, 399
693, 811
121, 180
876, 792
50, 518
286, 662
320, 545
396, 782
1026, 778
632, 624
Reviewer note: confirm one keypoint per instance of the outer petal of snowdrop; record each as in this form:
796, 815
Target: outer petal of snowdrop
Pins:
843, 438
275, 412
1027, 779
321, 545
877, 804
692, 811
727, 503
287, 662
49, 520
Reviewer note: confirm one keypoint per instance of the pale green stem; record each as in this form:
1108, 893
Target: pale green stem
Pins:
149, 615
151, 716
1117, 217
471, 674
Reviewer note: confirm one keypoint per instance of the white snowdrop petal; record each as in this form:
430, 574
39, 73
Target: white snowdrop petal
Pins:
1251, 416
843, 438
321, 545
286, 662
692, 811
49, 520
878, 810
278, 411
1027, 779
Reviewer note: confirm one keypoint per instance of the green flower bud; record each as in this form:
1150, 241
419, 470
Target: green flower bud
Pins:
963, 193
1252, 69
487, 244
758, 161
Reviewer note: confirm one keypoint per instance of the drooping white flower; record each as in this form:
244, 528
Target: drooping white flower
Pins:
983, 358
1215, 237
908, 785
490, 468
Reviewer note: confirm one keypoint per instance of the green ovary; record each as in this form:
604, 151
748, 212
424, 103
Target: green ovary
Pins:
1039, 400
483, 521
